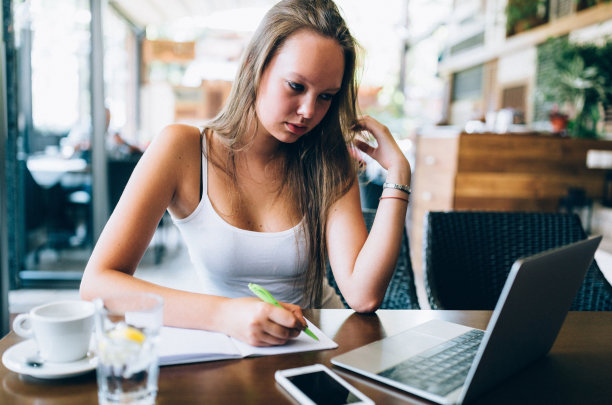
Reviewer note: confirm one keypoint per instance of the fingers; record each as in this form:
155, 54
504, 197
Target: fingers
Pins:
274, 325
260, 324
278, 335
386, 150
373, 126
364, 147
271, 335
297, 312
290, 316
380, 132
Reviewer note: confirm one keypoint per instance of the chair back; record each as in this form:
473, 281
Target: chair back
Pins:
468, 255
119, 172
401, 293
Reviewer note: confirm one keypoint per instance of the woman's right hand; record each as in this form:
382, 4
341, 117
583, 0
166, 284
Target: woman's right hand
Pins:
261, 324
387, 152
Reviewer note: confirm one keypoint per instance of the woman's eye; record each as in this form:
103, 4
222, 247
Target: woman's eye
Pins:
326, 96
296, 86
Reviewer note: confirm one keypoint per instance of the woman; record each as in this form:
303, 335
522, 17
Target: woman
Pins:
266, 191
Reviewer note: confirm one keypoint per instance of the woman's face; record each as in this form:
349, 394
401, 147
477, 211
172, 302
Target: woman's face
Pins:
298, 85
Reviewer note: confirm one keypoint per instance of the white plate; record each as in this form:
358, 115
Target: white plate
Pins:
15, 360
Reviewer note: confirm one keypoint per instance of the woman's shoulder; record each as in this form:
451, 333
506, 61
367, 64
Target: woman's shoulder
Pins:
176, 145
179, 135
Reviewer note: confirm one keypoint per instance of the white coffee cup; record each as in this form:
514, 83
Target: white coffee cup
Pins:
62, 329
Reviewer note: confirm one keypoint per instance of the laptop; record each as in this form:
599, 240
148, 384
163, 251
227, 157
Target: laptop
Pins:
449, 363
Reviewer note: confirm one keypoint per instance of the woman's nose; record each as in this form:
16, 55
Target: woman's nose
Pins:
307, 107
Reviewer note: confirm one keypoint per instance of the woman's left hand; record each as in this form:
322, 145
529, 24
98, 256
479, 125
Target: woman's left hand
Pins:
387, 153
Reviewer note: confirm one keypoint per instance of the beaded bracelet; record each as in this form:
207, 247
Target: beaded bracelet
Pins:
402, 187
395, 198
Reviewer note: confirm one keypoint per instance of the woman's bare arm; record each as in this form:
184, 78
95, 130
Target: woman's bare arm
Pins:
363, 265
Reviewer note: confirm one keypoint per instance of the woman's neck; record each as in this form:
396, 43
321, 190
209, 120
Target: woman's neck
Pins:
264, 147
263, 152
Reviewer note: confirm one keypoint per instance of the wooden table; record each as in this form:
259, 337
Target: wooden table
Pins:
577, 370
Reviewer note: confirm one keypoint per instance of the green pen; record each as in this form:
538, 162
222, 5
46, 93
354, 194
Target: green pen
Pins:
265, 296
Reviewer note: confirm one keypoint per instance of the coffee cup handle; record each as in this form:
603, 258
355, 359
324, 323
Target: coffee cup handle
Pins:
20, 329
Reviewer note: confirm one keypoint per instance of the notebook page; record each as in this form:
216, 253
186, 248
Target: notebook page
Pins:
178, 346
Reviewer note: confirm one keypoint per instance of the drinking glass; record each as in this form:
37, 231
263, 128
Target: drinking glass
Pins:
127, 333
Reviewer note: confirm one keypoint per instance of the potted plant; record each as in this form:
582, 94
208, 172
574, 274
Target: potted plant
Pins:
522, 15
558, 120
584, 4
580, 80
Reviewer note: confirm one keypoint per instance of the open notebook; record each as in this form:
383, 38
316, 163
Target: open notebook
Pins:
179, 346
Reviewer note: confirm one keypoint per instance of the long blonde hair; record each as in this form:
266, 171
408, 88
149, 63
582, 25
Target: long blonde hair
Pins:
318, 169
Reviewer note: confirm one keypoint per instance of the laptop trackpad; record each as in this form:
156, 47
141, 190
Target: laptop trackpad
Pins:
382, 354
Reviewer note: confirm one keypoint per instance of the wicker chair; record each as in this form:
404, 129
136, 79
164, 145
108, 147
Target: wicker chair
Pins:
468, 256
401, 293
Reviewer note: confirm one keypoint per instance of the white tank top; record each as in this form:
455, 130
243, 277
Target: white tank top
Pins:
226, 258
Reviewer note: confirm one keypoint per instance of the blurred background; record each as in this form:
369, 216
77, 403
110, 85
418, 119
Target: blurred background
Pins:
477, 92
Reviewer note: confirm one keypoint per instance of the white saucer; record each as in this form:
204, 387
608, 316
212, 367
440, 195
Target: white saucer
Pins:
15, 360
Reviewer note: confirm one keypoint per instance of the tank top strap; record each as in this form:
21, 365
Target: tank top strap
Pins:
204, 178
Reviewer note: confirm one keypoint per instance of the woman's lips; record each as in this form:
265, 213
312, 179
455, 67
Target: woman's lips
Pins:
297, 129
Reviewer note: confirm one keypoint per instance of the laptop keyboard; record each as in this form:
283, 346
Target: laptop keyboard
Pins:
441, 369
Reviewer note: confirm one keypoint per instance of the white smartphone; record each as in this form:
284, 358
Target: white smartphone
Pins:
318, 385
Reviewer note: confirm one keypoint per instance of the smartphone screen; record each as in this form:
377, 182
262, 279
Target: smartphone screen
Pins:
322, 389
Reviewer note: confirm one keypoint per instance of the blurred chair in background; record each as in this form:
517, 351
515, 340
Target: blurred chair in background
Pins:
468, 255
577, 202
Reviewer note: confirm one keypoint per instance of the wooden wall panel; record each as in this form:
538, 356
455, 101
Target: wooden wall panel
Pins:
525, 185
525, 153
504, 204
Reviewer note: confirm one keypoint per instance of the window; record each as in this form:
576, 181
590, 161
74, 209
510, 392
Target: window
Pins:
468, 84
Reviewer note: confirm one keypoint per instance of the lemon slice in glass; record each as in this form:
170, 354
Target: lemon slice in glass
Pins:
128, 333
